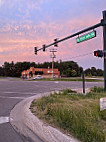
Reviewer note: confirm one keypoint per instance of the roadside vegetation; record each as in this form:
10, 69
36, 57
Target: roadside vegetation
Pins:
69, 79
73, 113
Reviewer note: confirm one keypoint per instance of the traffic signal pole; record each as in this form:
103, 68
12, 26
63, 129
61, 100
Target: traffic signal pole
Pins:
104, 46
103, 24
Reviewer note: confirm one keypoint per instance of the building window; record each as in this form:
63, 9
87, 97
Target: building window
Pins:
38, 72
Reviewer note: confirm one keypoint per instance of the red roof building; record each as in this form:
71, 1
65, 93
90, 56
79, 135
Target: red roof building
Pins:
46, 73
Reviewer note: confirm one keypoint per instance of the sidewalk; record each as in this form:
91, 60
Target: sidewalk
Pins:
29, 125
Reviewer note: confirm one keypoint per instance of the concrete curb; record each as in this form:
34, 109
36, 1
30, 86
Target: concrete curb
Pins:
23, 120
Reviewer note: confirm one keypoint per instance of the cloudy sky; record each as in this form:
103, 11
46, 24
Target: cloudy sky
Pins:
25, 24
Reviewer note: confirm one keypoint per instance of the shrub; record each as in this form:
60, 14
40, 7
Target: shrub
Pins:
97, 89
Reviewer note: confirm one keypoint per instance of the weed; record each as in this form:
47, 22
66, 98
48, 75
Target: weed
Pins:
77, 114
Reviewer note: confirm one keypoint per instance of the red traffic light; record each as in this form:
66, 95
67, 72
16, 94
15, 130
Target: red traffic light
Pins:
98, 53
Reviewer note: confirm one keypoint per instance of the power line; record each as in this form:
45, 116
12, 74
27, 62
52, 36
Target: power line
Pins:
80, 55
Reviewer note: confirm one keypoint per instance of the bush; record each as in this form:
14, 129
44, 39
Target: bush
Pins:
97, 89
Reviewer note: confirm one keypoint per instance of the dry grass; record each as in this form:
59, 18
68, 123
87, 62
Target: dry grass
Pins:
74, 113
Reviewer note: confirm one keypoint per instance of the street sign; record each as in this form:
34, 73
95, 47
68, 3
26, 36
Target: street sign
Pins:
86, 37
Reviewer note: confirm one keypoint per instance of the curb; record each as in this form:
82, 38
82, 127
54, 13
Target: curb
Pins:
29, 125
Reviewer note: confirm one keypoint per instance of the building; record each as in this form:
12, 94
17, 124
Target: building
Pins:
46, 73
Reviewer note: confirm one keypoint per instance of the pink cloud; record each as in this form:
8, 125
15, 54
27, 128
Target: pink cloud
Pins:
21, 42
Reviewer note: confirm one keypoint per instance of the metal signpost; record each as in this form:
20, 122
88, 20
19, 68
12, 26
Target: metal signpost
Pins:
104, 44
83, 80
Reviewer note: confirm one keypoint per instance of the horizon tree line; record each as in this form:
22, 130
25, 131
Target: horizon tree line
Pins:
66, 68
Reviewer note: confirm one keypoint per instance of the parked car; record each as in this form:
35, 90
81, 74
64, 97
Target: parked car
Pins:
38, 77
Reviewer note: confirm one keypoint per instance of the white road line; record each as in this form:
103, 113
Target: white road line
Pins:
12, 97
10, 92
4, 120
19, 93
56, 82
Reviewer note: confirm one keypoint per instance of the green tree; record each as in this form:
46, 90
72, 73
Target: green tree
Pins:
88, 72
73, 73
99, 72
6, 68
1, 71
67, 72
93, 71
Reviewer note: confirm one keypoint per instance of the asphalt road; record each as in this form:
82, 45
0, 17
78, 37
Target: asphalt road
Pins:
12, 92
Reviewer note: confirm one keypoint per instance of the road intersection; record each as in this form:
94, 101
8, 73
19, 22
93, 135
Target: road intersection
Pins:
12, 92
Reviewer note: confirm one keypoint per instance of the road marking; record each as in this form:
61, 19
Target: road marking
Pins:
19, 93
11, 119
56, 82
4, 120
12, 97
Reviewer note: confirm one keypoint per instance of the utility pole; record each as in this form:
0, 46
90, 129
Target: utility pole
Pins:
104, 46
53, 56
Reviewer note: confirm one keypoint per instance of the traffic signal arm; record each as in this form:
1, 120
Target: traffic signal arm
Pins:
73, 35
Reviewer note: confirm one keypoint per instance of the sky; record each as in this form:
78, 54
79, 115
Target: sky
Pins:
25, 24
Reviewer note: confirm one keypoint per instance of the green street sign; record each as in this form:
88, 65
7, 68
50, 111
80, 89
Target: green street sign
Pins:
86, 37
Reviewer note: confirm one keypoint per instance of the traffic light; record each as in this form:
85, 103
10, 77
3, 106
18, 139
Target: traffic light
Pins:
98, 53
55, 42
35, 50
44, 47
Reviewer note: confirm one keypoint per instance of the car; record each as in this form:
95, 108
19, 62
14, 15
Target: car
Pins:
38, 77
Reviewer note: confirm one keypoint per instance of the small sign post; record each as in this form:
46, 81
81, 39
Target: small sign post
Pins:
102, 104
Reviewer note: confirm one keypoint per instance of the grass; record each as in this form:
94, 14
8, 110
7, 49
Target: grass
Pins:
74, 113
69, 79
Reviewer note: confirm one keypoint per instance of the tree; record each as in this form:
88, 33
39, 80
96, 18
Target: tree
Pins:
67, 72
99, 72
12, 69
73, 73
93, 71
1, 71
6, 68
88, 72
